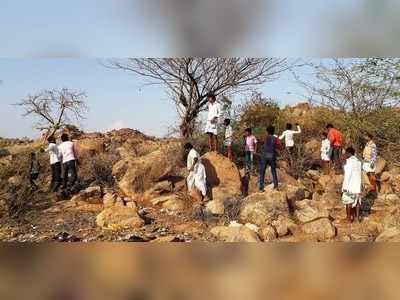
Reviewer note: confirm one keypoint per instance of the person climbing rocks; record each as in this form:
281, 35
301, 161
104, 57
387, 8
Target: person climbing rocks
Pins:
272, 145
326, 152
250, 148
288, 137
197, 179
55, 163
370, 157
34, 171
69, 161
352, 185
228, 138
214, 114
336, 139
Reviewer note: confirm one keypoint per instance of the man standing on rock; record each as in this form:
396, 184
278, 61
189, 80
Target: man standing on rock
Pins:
197, 172
352, 185
55, 164
336, 139
268, 157
214, 114
370, 156
69, 161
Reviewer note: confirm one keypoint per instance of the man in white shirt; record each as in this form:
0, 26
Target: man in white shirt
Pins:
214, 115
352, 185
69, 161
197, 172
55, 164
288, 136
228, 138
326, 153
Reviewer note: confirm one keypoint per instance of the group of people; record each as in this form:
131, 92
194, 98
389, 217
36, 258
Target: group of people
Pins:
332, 157
63, 164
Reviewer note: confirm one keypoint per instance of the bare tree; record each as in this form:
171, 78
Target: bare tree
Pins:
357, 86
55, 108
190, 80
363, 96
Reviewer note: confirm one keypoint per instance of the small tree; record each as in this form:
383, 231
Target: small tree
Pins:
190, 80
363, 96
54, 108
257, 113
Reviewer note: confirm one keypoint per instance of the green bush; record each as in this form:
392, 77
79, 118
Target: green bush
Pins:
4, 152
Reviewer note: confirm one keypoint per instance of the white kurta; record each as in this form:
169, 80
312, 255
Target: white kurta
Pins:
352, 183
214, 114
196, 178
228, 136
288, 136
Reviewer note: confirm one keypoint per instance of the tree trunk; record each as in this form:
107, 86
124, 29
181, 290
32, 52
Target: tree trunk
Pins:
188, 124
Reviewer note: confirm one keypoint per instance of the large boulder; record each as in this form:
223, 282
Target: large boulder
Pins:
396, 184
91, 145
284, 226
136, 175
263, 208
391, 218
120, 216
385, 176
330, 183
252, 184
215, 207
313, 148
92, 194
170, 202
111, 200
380, 166
322, 229
222, 174
268, 234
235, 234
308, 210
391, 235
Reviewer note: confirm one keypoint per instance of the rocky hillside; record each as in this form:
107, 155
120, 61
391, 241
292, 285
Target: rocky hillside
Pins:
132, 188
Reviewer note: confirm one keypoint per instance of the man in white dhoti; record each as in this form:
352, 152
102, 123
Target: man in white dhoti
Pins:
352, 185
214, 115
197, 173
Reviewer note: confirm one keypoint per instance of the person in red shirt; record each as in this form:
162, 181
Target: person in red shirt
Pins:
336, 139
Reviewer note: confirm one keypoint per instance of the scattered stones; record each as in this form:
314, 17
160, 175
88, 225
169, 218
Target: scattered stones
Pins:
389, 235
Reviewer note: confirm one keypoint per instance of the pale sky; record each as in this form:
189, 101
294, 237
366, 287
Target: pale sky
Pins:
116, 99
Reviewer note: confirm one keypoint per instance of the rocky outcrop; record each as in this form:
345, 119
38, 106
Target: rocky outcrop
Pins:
223, 177
137, 175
